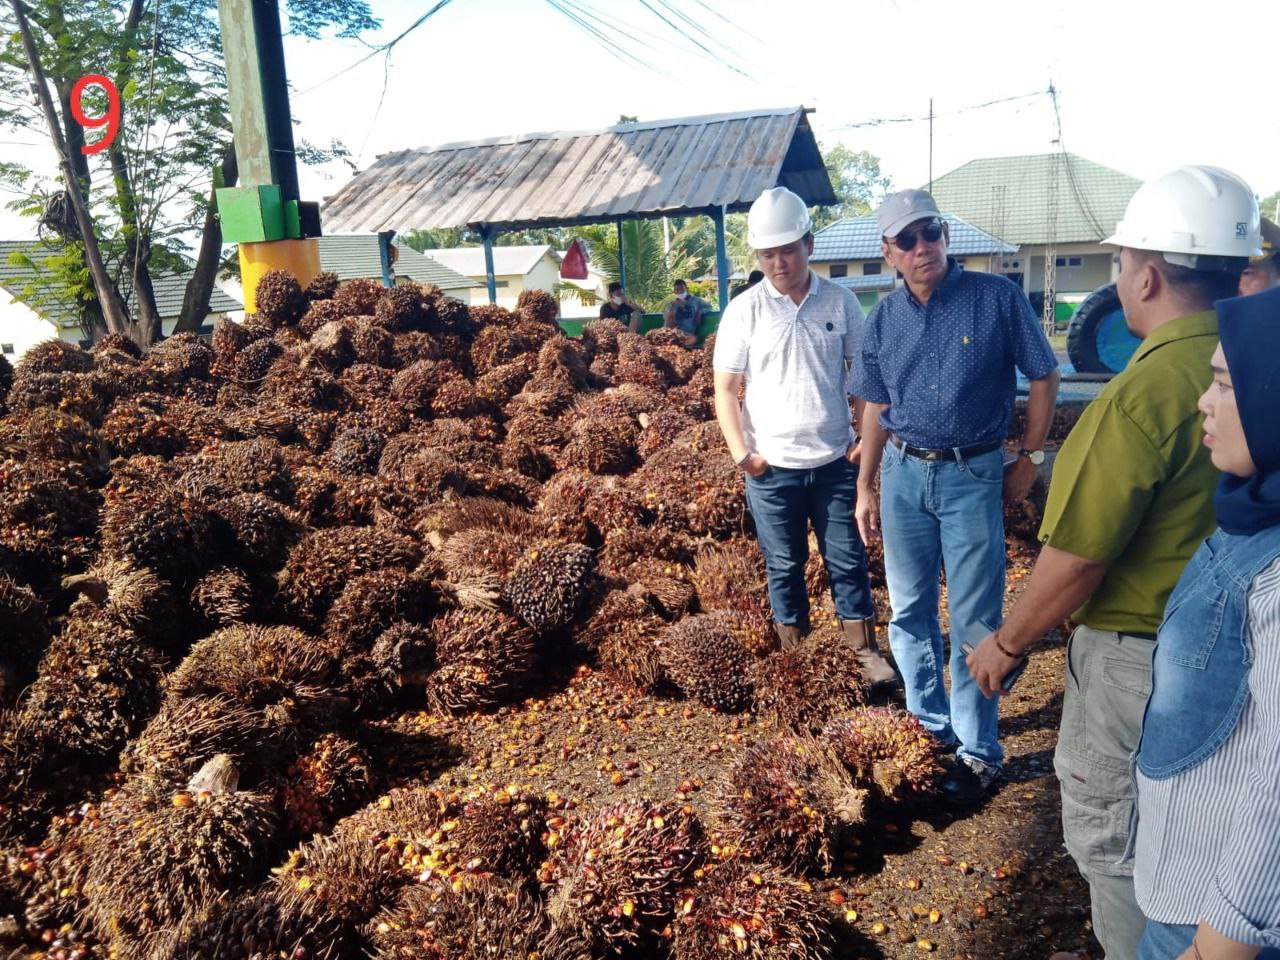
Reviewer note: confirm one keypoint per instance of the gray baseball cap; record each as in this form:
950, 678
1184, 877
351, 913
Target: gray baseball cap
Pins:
903, 208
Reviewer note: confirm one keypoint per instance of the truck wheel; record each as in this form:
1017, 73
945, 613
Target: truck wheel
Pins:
1098, 340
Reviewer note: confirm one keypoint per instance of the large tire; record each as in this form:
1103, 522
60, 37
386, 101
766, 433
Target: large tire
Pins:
1098, 339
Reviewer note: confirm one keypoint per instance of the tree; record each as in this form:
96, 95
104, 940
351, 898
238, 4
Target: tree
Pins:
153, 187
857, 180
650, 270
1270, 207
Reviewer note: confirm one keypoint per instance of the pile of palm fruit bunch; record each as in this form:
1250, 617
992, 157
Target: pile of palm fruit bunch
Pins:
229, 571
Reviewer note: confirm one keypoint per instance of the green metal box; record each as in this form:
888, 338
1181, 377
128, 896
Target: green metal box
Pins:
251, 214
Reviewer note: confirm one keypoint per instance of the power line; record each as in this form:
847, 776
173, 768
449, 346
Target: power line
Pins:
884, 121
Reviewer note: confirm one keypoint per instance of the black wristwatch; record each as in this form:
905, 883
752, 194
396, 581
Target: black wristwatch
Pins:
1035, 456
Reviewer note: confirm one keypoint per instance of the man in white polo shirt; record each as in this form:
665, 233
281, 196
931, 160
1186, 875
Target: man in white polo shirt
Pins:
791, 340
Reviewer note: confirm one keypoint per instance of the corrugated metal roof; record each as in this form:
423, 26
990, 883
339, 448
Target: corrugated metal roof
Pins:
356, 255
631, 170
169, 289
515, 260
1009, 197
858, 238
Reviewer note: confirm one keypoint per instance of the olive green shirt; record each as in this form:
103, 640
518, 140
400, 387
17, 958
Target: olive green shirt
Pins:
1133, 484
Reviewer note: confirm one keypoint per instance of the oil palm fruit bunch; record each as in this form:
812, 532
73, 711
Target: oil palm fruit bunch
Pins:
623, 633
254, 531
322, 286
27, 633
128, 597
322, 562
159, 856
180, 358
359, 297
328, 780
356, 449
48, 519
701, 657
802, 687
666, 584
402, 308
188, 732
484, 657
164, 528
370, 603
790, 801
433, 921
537, 306
279, 299
223, 596
97, 684
613, 877
53, 356
746, 908
659, 429
548, 584
278, 670
887, 748
596, 447
730, 577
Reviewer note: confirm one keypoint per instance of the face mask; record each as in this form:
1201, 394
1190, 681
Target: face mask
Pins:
681, 296
617, 301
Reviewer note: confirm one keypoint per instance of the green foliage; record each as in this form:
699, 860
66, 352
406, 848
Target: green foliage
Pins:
857, 180
1270, 207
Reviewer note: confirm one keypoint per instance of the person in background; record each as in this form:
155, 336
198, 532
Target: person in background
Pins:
1207, 854
789, 341
685, 312
618, 307
937, 371
1130, 500
1263, 271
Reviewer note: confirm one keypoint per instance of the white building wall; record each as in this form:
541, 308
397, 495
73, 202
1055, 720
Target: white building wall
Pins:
20, 327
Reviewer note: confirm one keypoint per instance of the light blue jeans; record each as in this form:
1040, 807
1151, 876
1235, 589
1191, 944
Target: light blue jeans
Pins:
937, 514
1168, 941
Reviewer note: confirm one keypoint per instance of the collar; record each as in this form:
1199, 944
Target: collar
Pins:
954, 270
777, 294
1203, 324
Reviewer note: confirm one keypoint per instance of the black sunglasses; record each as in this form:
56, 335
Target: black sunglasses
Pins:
931, 233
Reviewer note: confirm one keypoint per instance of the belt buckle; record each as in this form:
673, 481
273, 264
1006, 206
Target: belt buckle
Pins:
933, 456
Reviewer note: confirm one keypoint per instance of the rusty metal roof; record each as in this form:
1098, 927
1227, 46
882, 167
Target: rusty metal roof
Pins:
630, 171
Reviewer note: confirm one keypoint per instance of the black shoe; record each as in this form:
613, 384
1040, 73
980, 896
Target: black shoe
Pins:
970, 780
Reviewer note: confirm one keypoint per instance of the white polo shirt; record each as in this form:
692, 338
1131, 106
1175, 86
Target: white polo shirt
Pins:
796, 362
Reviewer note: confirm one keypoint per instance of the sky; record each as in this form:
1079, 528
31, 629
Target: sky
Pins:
1142, 87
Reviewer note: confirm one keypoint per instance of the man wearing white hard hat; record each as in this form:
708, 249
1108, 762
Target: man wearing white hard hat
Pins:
789, 341
937, 370
1131, 500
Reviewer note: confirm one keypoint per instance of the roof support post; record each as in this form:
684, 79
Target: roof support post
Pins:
722, 256
487, 233
385, 256
622, 258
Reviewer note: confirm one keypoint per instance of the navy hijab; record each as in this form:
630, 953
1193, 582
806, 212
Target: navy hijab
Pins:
1249, 328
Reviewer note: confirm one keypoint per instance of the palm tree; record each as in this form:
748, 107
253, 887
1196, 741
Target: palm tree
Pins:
650, 272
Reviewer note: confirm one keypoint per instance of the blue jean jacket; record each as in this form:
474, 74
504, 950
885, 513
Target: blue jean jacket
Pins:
1200, 672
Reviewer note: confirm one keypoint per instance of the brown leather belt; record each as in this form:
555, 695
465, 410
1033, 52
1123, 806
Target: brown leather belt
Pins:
945, 453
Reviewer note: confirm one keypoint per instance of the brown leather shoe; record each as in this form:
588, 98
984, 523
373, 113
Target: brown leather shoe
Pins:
860, 636
789, 634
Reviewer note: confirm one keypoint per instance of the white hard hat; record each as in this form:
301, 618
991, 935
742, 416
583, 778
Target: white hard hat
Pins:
778, 217
1192, 214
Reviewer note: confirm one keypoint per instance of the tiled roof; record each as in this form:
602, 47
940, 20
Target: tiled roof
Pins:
507, 261
169, 289
1010, 197
356, 255
857, 238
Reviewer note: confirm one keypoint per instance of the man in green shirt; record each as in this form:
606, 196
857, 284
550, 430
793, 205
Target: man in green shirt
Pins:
1130, 501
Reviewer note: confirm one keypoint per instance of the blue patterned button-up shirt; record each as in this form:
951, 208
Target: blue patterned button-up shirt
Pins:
946, 369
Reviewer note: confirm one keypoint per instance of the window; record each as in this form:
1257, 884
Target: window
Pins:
839, 270
6, 348
871, 269
1068, 261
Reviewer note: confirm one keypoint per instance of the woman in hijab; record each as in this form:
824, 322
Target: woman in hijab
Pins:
1207, 849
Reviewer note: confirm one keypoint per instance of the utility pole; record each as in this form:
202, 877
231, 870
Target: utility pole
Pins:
931, 144
274, 229
113, 308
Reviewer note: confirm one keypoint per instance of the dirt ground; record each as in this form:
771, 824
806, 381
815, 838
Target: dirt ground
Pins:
985, 882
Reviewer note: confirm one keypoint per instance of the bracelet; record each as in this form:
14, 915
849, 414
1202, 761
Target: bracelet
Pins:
995, 638
745, 457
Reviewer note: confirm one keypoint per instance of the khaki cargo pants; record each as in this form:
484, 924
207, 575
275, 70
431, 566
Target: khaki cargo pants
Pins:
1107, 684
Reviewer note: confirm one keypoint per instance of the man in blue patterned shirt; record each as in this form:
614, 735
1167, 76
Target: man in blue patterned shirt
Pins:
937, 372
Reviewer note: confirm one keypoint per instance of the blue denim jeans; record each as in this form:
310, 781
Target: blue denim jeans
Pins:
1168, 941
783, 503
937, 514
